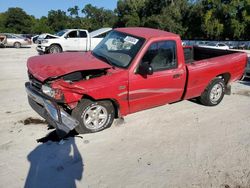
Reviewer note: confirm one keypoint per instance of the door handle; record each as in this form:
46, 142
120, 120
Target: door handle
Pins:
176, 75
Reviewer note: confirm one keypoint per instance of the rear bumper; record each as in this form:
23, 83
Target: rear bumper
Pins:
50, 111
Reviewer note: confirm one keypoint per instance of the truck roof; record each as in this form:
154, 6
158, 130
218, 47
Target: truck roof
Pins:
146, 33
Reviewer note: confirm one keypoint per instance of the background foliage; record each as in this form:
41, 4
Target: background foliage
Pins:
192, 19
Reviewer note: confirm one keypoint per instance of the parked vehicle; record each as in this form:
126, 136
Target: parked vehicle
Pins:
247, 70
34, 39
16, 41
242, 46
218, 45
3, 40
70, 40
201, 43
132, 69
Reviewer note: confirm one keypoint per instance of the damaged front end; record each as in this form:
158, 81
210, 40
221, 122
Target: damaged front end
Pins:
51, 99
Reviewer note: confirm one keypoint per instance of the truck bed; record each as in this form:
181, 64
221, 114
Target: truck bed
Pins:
199, 53
204, 64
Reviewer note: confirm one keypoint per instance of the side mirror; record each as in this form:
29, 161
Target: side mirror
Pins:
66, 36
145, 69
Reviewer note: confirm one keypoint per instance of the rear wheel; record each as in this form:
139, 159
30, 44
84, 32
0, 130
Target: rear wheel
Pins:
214, 93
17, 44
54, 48
93, 116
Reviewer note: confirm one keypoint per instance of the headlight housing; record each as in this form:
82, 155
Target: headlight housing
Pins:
44, 41
54, 93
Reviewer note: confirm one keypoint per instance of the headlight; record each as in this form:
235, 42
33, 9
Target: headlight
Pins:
54, 93
44, 41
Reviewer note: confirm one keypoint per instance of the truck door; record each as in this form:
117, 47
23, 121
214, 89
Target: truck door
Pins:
83, 41
71, 42
165, 85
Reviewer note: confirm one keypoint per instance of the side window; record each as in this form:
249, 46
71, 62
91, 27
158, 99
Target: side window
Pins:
161, 55
9, 36
72, 34
82, 34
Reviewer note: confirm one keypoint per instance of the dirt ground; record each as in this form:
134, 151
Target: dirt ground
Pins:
179, 145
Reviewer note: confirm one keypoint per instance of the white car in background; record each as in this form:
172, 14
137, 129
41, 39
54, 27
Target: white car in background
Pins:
218, 45
16, 41
70, 40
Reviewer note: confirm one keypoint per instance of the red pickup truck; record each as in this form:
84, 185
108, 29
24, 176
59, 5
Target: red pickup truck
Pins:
131, 69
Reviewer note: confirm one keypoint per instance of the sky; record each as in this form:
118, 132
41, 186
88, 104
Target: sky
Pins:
39, 8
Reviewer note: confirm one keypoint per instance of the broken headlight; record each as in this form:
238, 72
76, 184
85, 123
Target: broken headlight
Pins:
54, 93
44, 41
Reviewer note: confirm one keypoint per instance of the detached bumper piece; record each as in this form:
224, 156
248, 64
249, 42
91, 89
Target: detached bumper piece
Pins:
50, 111
41, 49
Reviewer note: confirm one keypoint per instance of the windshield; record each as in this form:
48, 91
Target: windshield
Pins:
61, 33
118, 48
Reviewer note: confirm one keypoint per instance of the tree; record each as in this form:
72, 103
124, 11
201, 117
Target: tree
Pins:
41, 26
225, 18
130, 12
75, 20
58, 20
193, 21
166, 15
2, 20
96, 18
74, 11
16, 20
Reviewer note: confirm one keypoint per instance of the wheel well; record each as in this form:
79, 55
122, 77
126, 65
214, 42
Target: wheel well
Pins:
17, 43
113, 101
57, 45
225, 76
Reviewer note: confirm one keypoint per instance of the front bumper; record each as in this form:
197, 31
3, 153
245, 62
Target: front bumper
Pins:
41, 49
50, 111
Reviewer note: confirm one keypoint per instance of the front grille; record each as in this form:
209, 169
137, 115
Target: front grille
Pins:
36, 84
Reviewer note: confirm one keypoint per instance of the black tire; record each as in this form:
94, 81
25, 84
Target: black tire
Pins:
54, 48
17, 45
214, 93
83, 111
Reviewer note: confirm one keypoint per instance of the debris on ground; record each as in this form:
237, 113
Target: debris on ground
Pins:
31, 120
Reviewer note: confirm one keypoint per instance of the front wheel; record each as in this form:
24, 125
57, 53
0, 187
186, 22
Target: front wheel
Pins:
93, 116
214, 93
54, 48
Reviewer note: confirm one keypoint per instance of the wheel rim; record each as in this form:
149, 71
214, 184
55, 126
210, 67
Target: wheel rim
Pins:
54, 49
95, 117
216, 93
17, 45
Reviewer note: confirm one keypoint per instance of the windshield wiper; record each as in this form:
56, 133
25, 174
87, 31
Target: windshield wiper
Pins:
106, 59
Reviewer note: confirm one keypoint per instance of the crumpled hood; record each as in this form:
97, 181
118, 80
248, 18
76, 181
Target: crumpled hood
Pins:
46, 35
55, 65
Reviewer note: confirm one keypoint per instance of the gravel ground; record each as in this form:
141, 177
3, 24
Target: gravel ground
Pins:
179, 145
